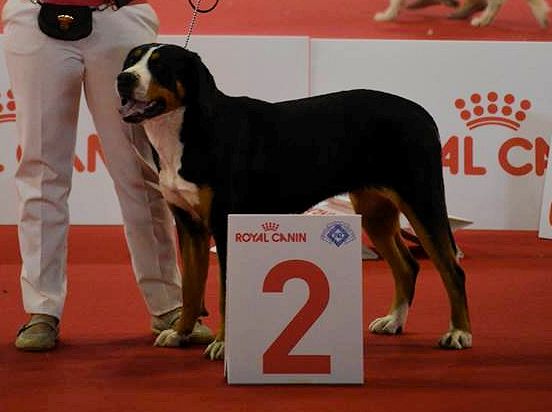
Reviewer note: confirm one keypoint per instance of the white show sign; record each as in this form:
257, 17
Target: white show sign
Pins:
294, 300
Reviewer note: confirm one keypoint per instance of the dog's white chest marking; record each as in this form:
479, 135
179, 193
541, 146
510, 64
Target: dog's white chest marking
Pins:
164, 134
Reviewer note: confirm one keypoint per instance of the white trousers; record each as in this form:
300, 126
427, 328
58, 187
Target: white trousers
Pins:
47, 76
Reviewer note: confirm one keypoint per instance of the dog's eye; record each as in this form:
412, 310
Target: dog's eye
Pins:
160, 69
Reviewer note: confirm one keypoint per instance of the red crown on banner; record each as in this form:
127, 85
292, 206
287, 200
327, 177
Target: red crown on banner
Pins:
270, 226
7, 107
493, 109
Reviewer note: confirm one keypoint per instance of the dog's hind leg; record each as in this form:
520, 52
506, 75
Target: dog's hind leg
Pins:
380, 219
430, 222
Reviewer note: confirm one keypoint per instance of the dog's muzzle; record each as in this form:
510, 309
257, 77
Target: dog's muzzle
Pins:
133, 110
126, 82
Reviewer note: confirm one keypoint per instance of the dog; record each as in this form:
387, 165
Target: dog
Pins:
219, 155
395, 7
489, 9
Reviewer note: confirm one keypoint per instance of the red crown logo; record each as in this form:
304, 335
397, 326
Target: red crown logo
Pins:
270, 226
7, 110
493, 109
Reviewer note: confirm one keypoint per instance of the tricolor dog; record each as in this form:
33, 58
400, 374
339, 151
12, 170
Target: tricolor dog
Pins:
220, 155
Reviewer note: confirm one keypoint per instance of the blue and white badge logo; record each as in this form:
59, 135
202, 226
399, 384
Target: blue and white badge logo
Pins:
338, 233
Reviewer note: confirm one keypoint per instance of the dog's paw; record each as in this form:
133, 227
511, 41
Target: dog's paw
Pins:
215, 350
393, 323
388, 325
456, 339
481, 20
387, 15
169, 338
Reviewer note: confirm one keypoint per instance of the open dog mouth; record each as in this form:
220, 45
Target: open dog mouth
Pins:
136, 111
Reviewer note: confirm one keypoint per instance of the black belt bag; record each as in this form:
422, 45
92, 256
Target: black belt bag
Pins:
70, 22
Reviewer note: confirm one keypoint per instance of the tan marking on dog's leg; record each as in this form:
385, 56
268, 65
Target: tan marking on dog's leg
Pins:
439, 247
380, 219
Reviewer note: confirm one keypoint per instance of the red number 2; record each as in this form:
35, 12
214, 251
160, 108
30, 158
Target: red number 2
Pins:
276, 359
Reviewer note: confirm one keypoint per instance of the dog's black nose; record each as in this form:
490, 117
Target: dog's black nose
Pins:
125, 83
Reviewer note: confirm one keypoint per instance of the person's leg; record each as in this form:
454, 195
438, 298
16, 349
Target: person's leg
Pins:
46, 81
147, 220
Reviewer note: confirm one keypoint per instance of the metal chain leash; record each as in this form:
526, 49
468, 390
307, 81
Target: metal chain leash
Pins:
192, 22
196, 10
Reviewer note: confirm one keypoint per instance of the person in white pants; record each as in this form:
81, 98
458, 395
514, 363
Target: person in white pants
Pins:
47, 76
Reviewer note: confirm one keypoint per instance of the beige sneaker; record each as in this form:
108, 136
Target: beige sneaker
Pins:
39, 334
201, 334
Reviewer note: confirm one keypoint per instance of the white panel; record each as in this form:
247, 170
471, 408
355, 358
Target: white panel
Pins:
436, 74
545, 227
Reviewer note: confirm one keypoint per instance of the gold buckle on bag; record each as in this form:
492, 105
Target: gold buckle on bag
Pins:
65, 21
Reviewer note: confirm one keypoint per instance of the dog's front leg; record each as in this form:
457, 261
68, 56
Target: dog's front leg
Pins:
194, 246
215, 350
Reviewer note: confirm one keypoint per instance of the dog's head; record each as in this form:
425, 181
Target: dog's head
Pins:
159, 78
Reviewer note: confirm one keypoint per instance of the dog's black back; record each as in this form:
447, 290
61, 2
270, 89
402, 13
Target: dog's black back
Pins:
285, 157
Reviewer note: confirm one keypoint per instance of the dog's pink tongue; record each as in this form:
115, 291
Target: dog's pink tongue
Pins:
132, 107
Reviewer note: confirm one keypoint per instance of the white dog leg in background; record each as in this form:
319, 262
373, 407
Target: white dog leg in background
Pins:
488, 14
391, 12
540, 9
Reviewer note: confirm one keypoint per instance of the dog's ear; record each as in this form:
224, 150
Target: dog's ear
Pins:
207, 88
201, 89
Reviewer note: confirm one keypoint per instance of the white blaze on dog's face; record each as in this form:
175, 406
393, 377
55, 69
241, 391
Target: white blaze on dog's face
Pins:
141, 71
156, 101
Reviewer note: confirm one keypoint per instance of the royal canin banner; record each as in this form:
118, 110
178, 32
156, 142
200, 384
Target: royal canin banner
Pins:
491, 101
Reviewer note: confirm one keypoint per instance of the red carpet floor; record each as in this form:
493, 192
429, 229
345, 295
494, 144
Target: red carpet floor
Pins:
105, 361
346, 19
